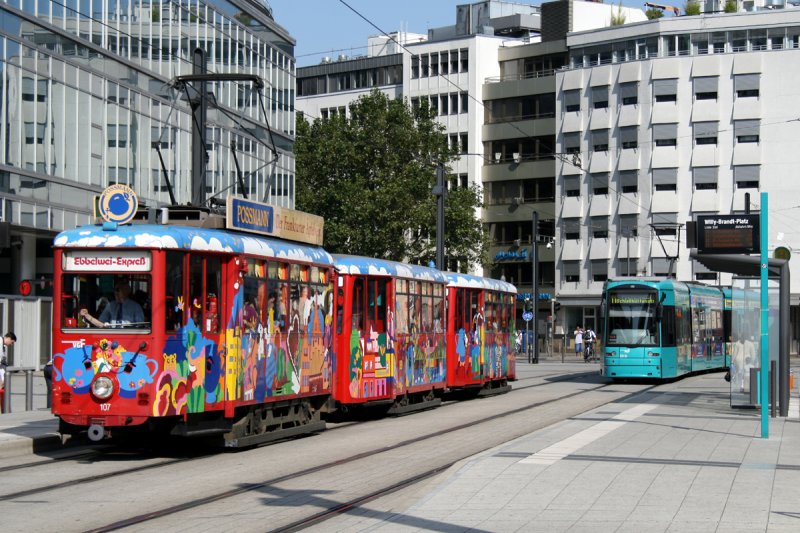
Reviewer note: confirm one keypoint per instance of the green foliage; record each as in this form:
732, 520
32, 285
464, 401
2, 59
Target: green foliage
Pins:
618, 18
371, 176
731, 6
692, 7
653, 13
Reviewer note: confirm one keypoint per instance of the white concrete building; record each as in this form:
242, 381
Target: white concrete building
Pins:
671, 119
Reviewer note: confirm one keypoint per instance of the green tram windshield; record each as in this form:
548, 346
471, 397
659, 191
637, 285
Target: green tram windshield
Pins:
632, 318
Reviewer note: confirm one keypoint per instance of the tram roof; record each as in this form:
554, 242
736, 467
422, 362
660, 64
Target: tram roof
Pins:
190, 238
353, 264
455, 279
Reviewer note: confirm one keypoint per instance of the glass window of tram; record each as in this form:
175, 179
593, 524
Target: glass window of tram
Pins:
106, 300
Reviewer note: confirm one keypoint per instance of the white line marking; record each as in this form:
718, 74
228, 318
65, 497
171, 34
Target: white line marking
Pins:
570, 445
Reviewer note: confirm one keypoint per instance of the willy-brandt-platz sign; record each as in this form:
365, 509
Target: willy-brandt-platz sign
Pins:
728, 234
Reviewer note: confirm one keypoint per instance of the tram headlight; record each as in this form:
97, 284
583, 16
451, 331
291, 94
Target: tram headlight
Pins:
102, 387
653, 354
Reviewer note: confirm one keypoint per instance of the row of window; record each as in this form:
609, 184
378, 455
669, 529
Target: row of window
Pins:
346, 81
664, 179
439, 63
703, 133
664, 90
444, 104
598, 269
698, 43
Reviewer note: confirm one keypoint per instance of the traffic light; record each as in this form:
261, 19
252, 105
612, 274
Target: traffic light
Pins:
556, 306
528, 304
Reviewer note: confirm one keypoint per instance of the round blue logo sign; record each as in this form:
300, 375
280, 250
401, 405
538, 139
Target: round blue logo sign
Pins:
527, 316
118, 203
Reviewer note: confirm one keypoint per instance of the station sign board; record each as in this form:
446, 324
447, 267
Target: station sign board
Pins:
728, 234
274, 221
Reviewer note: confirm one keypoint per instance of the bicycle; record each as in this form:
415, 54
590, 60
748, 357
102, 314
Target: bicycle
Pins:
589, 354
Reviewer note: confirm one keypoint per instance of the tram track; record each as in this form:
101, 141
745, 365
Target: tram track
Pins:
352, 503
92, 455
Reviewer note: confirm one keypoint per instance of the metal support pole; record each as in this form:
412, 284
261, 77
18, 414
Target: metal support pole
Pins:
199, 106
29, 390
440, 191
552, 325
628, 237
764, 317
535, 260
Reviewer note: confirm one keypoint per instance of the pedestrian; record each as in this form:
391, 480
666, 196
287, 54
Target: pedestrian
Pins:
518, 341
48, 381
8, 340
579, 341
588, 339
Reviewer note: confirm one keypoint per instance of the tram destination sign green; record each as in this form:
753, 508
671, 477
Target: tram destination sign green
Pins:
728, 234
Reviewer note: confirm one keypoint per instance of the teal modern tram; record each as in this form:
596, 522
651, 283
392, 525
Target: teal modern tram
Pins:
662, 328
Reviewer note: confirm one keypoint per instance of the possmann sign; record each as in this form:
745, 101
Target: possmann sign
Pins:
105, 260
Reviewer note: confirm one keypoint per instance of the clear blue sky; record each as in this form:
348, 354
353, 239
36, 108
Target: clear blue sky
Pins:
329, 27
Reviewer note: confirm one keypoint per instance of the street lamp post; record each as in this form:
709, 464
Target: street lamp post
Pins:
535, 295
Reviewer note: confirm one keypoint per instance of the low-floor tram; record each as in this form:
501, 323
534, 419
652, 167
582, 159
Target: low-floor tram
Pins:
662, 328
235, 339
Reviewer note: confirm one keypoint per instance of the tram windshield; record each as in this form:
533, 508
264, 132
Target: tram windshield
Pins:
632, 318
106, 301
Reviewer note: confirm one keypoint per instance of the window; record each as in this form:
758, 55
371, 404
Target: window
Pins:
572, 142
661, 266
627, 266
444, 61
665, 223
572, 271
665, 90
665, 134
705, 132
746, 85
572, 100
464, 143
599, 227
117, 136
464, 102
629, 181
572, 186
444, 101
464, 57
572, 228
414, 67
600, 183
705, 178
746, 131
599, 270
629, 225
629, 92
705, 87
454, 103
746, 176
665, 179
701, 272
98, 294
600, 97
425, 71
629, 137
600, 140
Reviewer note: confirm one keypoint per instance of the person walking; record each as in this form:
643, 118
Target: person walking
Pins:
8, 340
48, 381
579, 341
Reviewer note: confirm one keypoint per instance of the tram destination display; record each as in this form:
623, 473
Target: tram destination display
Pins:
728, 234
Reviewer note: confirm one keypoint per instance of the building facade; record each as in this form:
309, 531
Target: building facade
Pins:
88, 98
671, 119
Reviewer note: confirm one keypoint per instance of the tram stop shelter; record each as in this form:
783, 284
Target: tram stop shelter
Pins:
778, 269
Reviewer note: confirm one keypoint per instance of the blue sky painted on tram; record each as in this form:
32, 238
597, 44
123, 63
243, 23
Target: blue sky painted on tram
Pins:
328, 28
352, 264
476, 282
189, 238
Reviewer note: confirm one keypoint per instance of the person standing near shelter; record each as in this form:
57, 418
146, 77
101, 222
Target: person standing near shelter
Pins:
8, 340
121, 312
579, 341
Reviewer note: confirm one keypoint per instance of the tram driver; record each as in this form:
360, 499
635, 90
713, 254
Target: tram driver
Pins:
122, 312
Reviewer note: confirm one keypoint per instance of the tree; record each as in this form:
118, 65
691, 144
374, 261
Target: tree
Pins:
653, 13
692, 7
731, 6
371, 177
